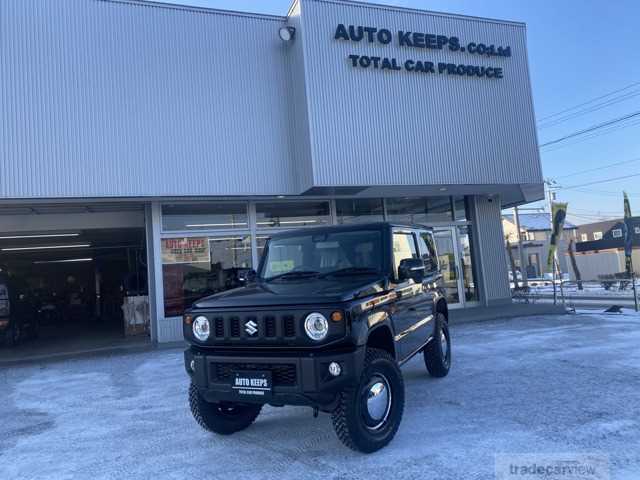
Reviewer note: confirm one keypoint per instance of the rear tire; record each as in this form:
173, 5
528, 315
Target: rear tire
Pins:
223, 418
368, 416
437, 353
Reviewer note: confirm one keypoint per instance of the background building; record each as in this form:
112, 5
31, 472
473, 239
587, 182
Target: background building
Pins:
150, 141
535, 232
600, 248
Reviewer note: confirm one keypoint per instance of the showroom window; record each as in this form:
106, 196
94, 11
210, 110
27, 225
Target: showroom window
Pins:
194, 267
292, 214
419, 210
360, 210
204, 216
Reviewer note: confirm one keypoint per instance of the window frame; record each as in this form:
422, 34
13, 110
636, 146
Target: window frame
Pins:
432, 251
596, 235
616, 233
330, 216
401, 231
201, 231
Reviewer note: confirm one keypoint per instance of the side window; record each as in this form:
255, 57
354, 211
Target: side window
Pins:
404, 246
428, 251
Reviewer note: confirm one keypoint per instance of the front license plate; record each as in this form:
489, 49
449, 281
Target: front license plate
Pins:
253, 384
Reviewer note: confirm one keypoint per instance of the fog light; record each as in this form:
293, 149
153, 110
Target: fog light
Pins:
192, 365
335, 369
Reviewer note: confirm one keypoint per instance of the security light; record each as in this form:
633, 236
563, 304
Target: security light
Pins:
286, 33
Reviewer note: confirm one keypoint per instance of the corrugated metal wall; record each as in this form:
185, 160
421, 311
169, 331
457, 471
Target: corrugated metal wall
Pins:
374, 127
300, 128
490, 243
105, 98
101, 98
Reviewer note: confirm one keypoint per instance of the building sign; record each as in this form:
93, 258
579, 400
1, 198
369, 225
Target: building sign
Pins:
424, 41
186, 250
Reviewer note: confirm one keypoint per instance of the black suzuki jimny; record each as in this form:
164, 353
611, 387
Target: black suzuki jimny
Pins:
326, 322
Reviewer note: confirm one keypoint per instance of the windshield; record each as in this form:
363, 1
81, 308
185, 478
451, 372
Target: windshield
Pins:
337, 253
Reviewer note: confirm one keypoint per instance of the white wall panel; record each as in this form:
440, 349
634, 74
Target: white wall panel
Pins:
119, 98
372, 127
107, 98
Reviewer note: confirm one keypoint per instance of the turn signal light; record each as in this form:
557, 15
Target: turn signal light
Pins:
337, 316
188, 319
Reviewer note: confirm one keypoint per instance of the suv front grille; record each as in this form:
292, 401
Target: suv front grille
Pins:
267, 328
289, 326
270, 327
235, 327
282, 374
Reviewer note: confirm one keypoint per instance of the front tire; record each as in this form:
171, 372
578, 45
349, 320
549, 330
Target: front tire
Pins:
223, 418
437, 353
368, 416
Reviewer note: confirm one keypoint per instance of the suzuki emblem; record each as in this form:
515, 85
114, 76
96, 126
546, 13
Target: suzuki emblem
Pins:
251, 327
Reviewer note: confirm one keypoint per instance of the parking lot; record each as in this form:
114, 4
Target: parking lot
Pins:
549, 384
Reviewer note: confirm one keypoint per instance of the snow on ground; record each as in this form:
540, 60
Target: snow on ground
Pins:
548, 384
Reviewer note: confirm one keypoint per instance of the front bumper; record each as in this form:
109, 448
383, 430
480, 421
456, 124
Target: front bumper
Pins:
302, 379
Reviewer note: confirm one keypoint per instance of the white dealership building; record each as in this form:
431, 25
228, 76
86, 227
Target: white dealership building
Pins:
150, 149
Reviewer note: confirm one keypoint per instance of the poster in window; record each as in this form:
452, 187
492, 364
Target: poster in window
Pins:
185, 250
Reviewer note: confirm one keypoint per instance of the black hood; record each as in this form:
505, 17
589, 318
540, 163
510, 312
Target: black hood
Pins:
295, 292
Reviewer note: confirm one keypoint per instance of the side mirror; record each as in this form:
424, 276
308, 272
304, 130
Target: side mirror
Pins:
247, 276
411, 268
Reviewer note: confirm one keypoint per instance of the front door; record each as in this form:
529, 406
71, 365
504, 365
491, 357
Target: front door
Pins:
448, 247
411, 298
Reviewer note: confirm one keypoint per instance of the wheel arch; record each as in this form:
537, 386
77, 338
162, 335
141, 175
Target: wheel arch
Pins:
382, 337
443, 308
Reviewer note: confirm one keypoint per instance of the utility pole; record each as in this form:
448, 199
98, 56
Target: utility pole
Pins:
550, 195
523, 269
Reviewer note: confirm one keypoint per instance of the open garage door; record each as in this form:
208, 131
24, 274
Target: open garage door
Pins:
74, 278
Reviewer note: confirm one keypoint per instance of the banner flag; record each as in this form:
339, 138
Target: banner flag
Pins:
559, 213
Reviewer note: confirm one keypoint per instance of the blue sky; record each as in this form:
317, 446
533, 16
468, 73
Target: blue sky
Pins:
578, 50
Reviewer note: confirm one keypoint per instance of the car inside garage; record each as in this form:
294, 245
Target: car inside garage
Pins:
77, 283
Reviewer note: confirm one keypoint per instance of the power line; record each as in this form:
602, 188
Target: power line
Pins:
606, 131
540, 120
592, 128
604, 193
597, 169
587, 110
606, 180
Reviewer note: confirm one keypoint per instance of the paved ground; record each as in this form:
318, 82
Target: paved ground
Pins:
530, 385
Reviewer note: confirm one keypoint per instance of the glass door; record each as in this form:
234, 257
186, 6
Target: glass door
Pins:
448, 258
454, 246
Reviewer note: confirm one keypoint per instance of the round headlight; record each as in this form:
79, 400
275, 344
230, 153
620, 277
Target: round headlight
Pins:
316, 326
201, 328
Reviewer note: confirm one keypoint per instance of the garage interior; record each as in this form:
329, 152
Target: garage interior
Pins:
73, 288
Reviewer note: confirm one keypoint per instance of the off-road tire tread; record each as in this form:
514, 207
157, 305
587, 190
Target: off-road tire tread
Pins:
194, 404
433, 355
339, 415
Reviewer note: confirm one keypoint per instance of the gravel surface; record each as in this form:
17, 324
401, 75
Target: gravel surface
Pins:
540, 385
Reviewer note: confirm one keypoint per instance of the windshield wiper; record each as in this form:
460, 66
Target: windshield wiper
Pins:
295, 274
352, 271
